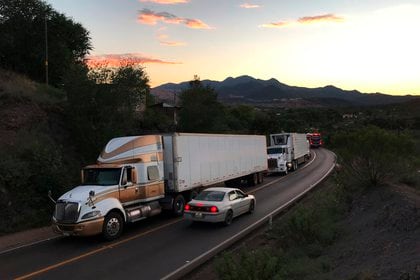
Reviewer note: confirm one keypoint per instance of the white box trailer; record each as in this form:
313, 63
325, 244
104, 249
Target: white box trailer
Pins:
195, 160
136, 177
287, 151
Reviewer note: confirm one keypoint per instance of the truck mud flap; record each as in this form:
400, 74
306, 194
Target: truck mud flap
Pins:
166, 202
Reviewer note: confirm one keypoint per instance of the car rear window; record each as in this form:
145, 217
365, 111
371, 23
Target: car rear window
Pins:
210, 196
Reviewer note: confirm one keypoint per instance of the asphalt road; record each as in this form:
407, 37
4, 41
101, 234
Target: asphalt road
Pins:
155, 247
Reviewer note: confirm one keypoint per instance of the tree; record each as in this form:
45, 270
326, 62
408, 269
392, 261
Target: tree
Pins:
23, 48
104, 104
201, 112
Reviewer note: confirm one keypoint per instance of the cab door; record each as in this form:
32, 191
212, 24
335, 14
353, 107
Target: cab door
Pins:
129, 192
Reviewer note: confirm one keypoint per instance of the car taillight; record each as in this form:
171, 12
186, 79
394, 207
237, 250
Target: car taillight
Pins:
187, 207
214, 209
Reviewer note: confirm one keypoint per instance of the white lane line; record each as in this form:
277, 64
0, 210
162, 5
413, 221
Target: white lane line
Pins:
192, 264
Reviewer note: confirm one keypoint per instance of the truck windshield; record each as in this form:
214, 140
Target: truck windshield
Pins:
272, 151
101, 176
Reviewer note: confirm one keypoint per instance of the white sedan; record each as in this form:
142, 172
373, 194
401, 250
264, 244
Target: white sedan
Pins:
219, 205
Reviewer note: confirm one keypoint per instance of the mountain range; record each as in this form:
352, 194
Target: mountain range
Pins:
272, 93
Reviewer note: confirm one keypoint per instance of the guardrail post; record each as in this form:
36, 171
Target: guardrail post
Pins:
270, 222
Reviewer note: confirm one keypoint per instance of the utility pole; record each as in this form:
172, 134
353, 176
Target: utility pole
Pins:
46, 50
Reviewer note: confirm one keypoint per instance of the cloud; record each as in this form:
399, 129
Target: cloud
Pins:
249, 6
305, 20
171, 2
117, 60
320, 18
278, 24
150, 17
163, 40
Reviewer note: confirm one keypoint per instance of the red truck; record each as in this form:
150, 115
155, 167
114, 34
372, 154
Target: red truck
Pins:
315, 139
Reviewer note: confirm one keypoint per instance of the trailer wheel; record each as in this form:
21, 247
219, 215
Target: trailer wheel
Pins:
253, 179
113, 226
260, 177
178, 205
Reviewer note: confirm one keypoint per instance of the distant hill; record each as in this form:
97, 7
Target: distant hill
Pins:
272, 93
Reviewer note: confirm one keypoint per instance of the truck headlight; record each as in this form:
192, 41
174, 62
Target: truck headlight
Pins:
91, 214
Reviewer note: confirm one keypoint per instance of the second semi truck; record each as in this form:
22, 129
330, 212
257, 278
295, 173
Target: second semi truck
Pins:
287, 151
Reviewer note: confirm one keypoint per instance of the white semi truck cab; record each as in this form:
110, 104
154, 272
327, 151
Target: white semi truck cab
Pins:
287, 151
139, 176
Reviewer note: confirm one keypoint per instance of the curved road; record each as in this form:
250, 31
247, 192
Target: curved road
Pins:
156, 247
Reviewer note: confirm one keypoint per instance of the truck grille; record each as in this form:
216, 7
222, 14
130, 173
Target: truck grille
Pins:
66, 212
272, 163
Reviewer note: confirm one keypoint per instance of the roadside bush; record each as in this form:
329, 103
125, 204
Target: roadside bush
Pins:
258, 265
34, 165
373, 156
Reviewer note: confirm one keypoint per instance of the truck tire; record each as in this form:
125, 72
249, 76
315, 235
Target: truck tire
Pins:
228, 218
252, 179
260, 177
113, 226
178, 205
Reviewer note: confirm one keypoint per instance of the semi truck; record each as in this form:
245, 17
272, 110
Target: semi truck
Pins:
315, 139
286, 151
139, 176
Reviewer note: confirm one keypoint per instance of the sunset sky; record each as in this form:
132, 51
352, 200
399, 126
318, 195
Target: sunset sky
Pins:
369, 45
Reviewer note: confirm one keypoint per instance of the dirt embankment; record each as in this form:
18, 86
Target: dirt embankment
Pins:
381, 237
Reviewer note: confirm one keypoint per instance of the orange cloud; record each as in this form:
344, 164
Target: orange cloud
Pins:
279, 24
150, 17
320, 18
305, 20
117, 60
163, 40
166, 1
249, 6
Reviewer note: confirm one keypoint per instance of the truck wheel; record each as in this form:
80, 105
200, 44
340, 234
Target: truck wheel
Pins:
178, 206
228, 218
113, 226
260, 177
253, 179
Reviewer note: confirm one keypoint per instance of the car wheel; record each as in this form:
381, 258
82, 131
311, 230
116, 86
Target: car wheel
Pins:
113, 226
178, 206
228, 218
251, 207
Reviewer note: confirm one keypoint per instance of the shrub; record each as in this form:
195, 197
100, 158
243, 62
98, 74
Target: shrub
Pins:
34, 165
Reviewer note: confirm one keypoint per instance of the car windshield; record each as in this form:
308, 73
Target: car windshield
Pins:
210, 196
101, 176
271, 151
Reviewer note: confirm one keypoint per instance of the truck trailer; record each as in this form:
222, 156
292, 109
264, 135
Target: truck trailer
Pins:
286, 151
139, 176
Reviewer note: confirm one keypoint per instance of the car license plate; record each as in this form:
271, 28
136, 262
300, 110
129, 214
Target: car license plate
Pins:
199, 215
